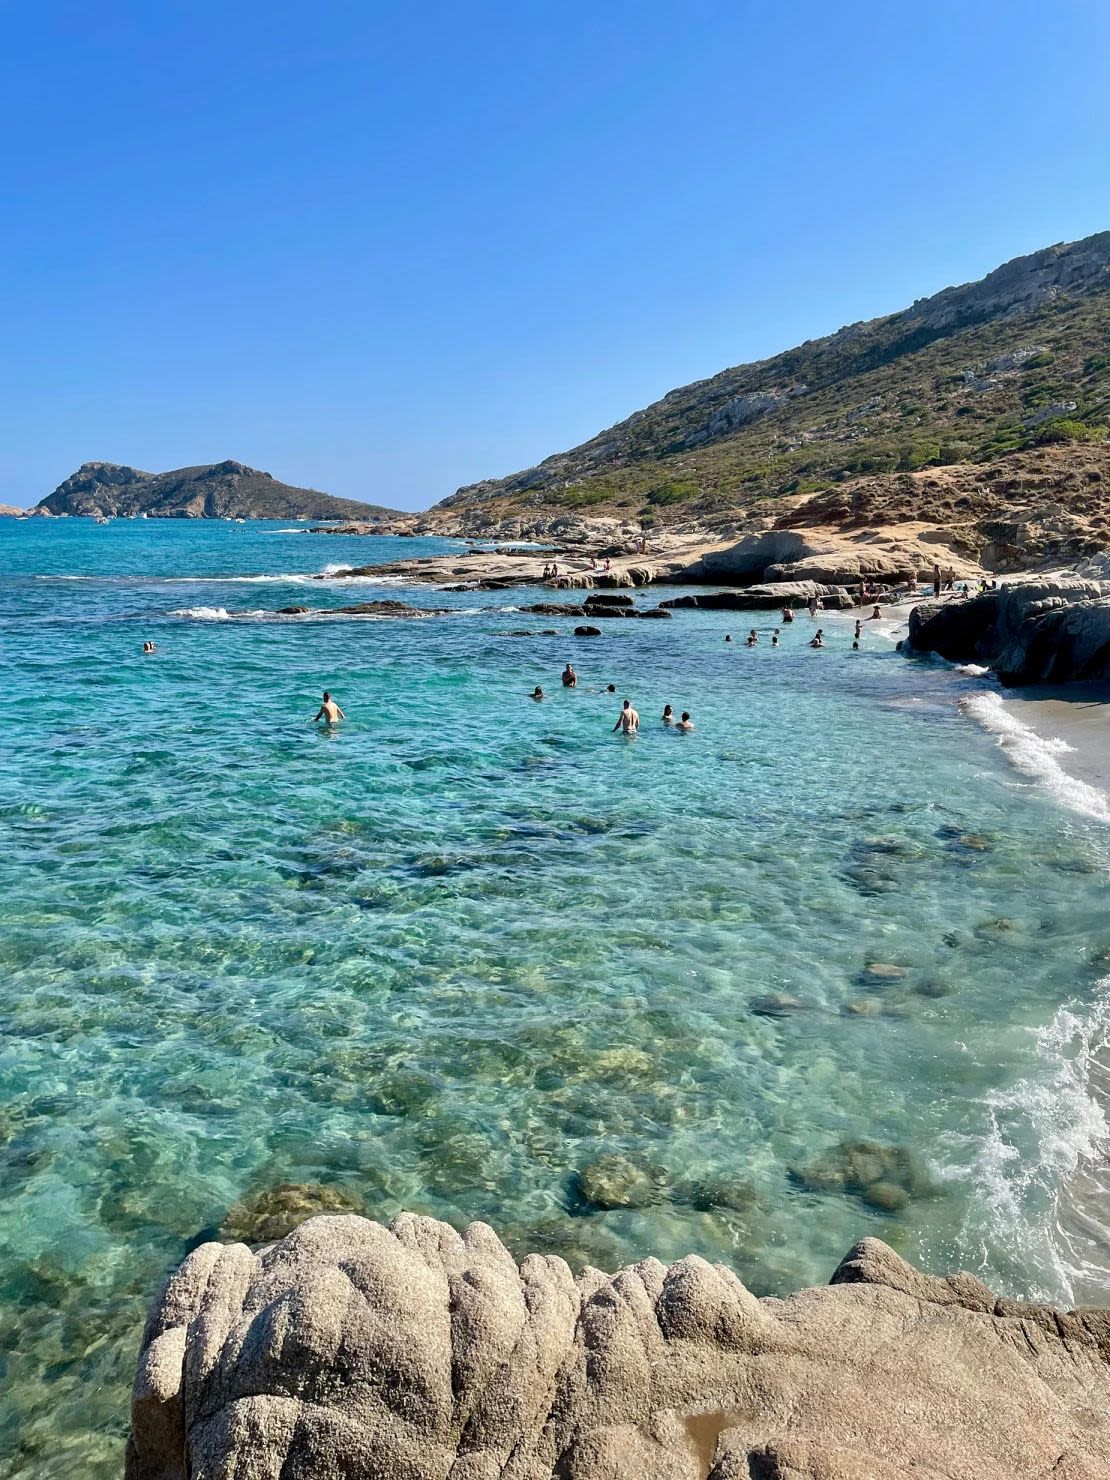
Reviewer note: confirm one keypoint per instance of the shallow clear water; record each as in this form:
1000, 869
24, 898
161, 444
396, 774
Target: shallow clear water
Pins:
451, 954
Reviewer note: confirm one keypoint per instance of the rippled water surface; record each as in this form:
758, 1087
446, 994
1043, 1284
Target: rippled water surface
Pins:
452, 954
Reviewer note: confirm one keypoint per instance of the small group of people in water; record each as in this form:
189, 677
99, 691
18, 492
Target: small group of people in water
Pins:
628, 721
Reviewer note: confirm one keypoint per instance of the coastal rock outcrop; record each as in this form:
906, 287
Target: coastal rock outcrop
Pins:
768, 597
1052, 630
353, 1350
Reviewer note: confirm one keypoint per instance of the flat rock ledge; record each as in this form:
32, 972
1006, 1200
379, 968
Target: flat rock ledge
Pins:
349, 1351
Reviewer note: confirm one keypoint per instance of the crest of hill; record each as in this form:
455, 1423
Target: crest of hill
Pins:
1016, 362
225, 490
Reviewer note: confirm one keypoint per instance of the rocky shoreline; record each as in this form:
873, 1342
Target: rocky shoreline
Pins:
1052, 630
355, 1350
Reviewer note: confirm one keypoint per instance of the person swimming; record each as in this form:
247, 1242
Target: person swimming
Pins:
685, 723
752, 638
628, 721
668, 715
148, 647
818, 638
537, 693
570, 678
329, 711
728, 636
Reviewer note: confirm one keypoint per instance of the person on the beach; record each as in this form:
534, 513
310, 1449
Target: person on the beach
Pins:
628, 722
685, 723
148, 647
668, 715
537, 694
570, 678
752, 638
875, 616
818, 638
329, 711
950, 579
936, 580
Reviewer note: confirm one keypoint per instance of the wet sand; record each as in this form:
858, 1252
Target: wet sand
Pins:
1078, 714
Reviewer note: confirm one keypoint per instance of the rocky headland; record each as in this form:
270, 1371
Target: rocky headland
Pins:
225, 490
349, 1349
1055, 630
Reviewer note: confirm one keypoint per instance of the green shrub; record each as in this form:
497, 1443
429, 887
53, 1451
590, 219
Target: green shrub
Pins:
1066, 430
674, 491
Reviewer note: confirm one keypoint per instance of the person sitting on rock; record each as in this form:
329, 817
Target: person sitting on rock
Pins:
685, 723
570, 678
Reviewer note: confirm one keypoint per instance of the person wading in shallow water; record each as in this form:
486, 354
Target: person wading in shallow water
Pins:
570, 678
329, 711
628, 721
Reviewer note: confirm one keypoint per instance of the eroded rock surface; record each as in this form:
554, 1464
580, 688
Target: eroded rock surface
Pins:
414, 1353
1049, 630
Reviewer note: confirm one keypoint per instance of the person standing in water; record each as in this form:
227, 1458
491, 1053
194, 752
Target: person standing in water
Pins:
685, 723
148, 647
570, 678
668, 715
628, 721
329, 711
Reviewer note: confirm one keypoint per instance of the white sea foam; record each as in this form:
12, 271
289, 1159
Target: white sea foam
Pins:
203, 613
973, 670
1037, 756
1068, 1125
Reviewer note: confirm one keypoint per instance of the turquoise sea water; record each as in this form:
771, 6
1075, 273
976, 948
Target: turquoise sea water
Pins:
448, 956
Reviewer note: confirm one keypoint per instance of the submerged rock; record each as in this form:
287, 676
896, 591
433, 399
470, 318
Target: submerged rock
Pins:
619, 1182
270, 1215
353, 1350
859, 1167
586, 631
776, 1005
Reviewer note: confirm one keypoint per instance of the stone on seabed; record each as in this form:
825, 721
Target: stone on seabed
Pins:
354, 1350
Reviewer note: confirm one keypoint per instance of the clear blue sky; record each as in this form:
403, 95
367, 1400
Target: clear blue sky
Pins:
386, 249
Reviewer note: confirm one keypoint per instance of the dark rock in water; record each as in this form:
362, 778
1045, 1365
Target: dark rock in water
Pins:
608, 598
554, 609
272, 1214
617, 1181
933, 989
292, 611
587, 632
384, 609
417, 1352
857, 1168
717, 1192
776, 1005
1046, 630
654, 613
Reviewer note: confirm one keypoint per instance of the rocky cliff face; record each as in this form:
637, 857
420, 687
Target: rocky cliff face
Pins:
227, 490
352, 1350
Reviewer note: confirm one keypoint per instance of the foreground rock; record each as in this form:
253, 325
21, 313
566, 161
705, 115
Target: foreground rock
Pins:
352, 1350
1052, 630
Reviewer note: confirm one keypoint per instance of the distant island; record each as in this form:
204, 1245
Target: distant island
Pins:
225, 490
